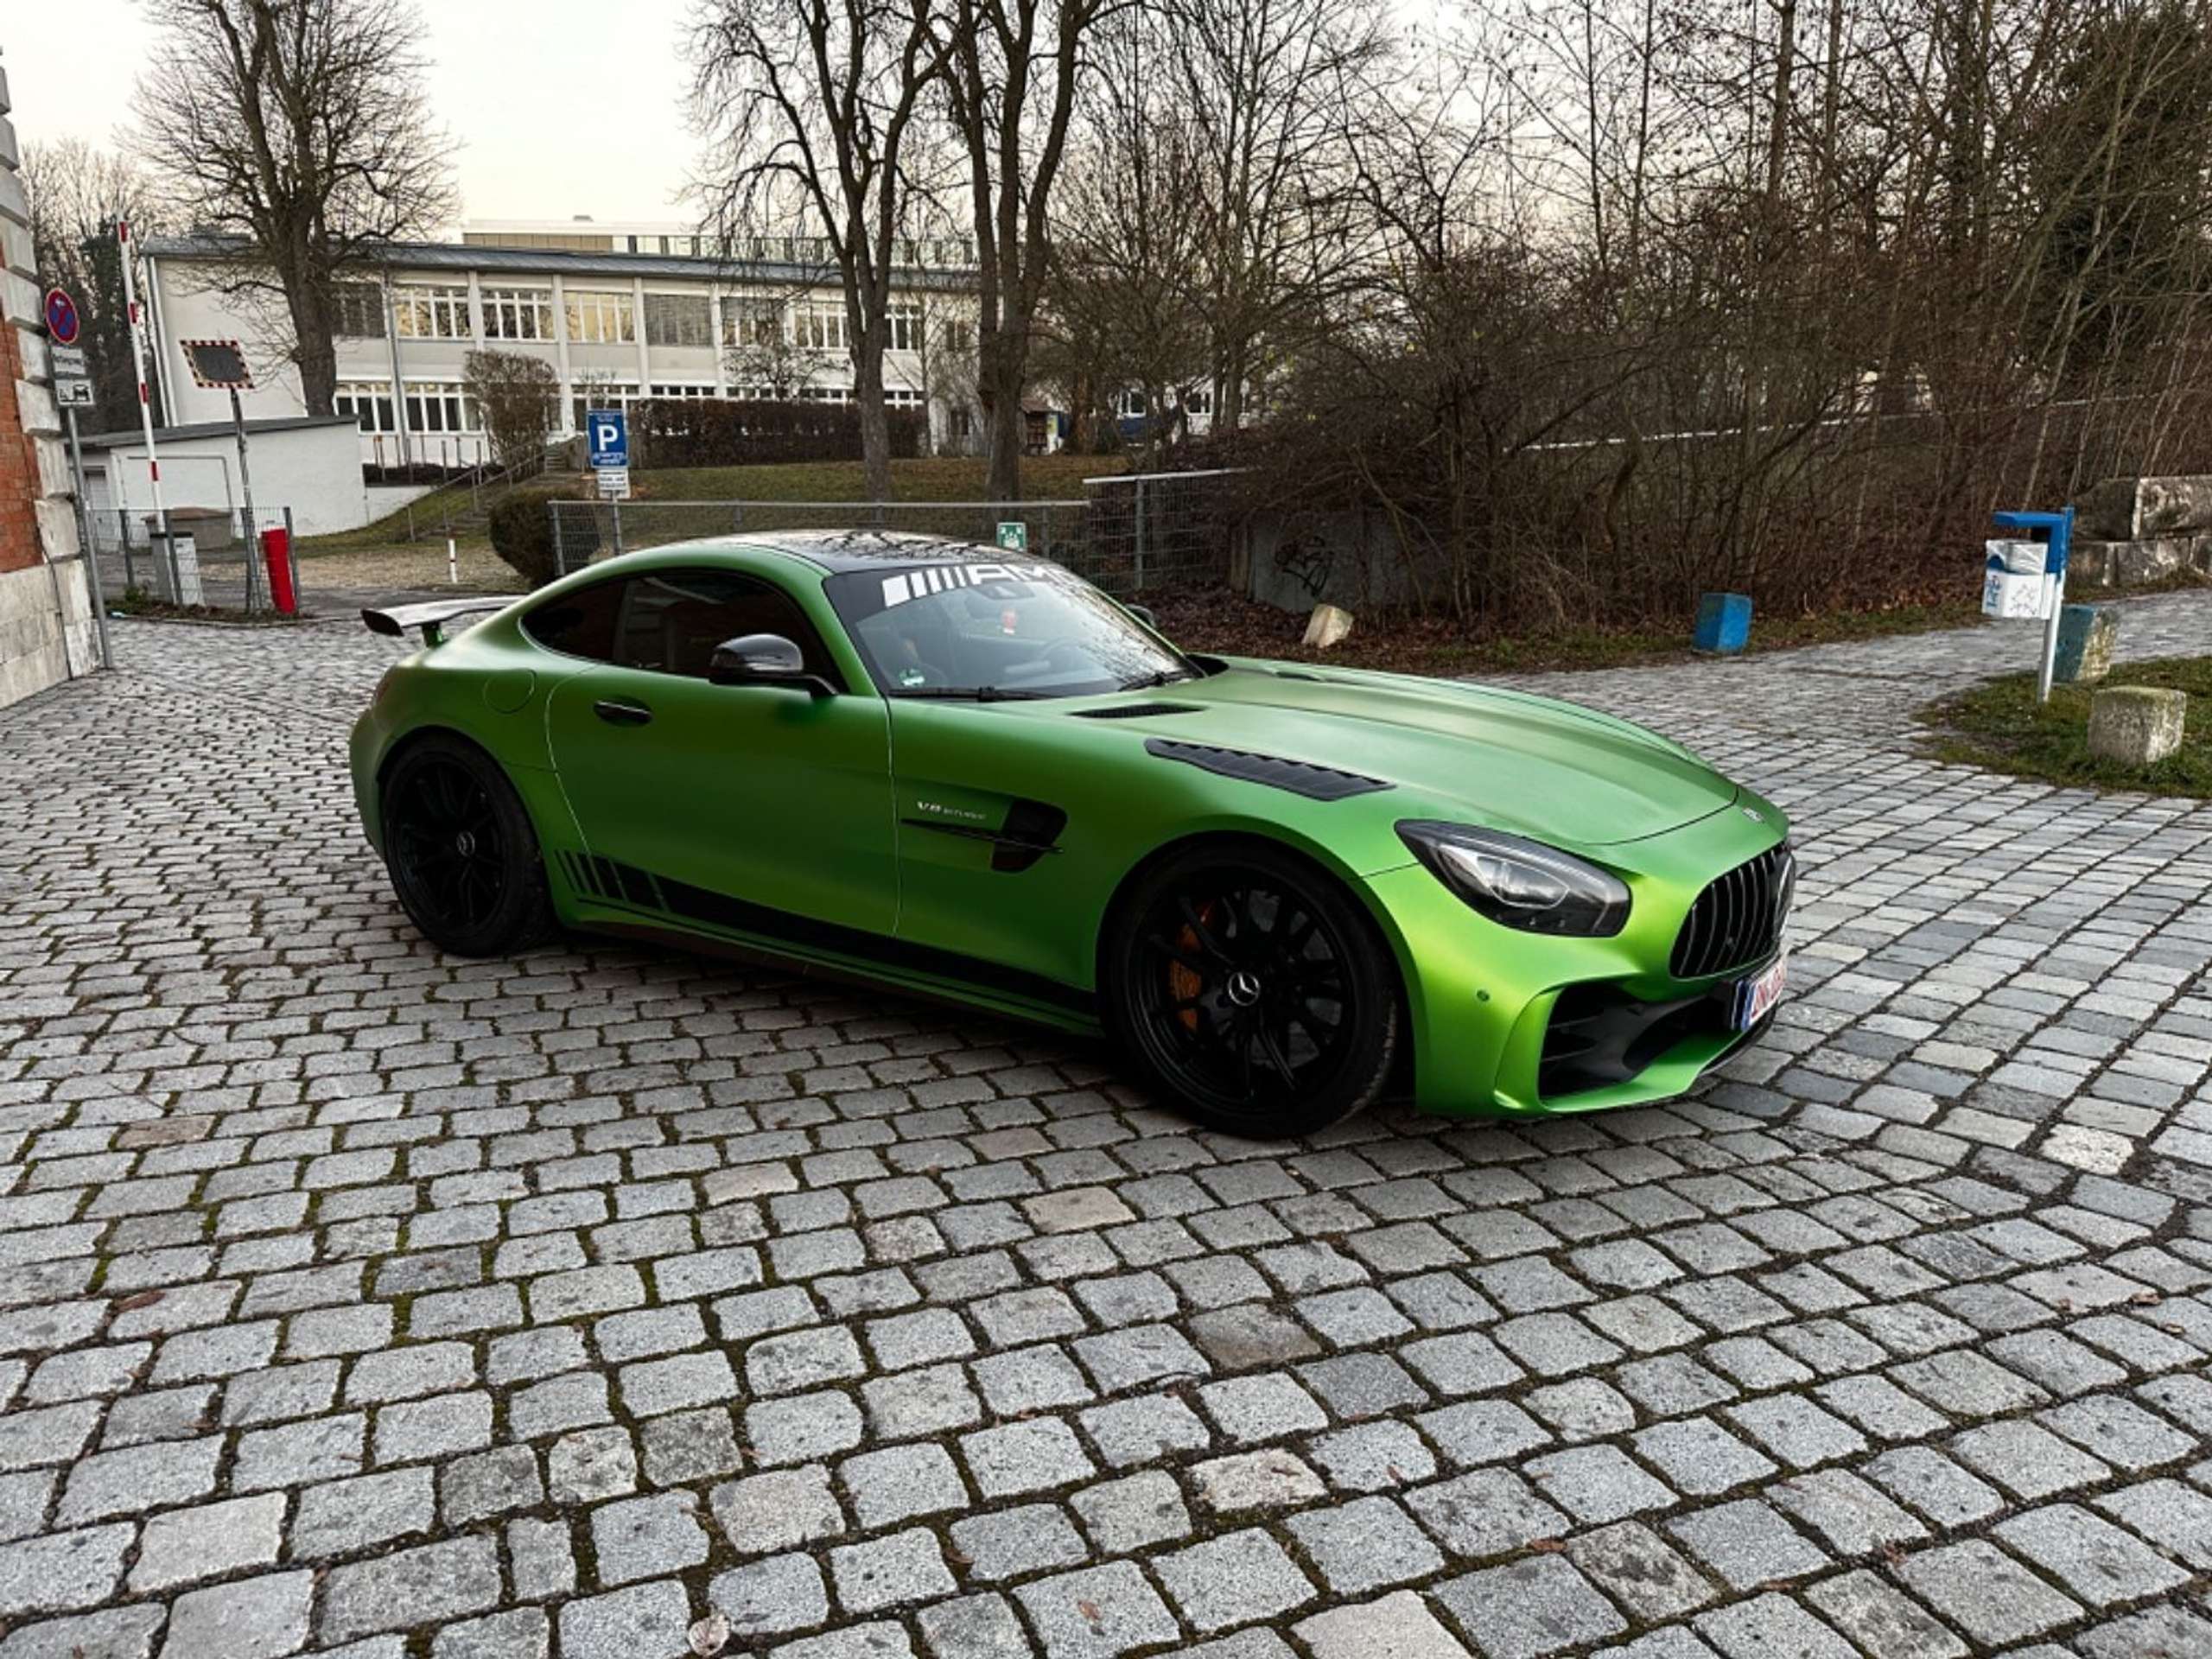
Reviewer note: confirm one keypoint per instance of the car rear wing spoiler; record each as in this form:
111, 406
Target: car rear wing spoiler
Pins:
430, 618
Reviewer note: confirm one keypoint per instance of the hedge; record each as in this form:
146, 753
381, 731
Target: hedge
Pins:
717, 432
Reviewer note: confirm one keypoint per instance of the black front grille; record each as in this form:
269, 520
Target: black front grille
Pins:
1598, 1035
1738, 919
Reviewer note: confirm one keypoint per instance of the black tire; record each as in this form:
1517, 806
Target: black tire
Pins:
1251, 990
461, 853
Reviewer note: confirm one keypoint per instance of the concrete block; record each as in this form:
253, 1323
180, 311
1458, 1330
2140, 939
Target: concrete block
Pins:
2151, 561
19, 295
2136, 725
1327, 625
2093, 565
1724, 623
11, 148
2087, 637
2163, 505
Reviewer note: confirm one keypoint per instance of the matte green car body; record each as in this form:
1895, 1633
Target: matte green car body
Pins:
851, 831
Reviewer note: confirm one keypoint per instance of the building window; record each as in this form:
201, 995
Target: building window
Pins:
600, 318
1198, 400
959, 424
753, 322
601, 394
369, 401
438, 406
899, 399
423, 312
959, 335
357, 311
905, 328
825, 394
821, 327
680, 389
518, 313
678, 320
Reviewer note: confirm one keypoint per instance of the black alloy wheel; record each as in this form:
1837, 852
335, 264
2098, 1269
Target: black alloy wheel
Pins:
461, 851
1254, 991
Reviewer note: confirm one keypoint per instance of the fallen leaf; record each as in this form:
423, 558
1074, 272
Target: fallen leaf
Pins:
133, 1303
709, 1636
1090, 1611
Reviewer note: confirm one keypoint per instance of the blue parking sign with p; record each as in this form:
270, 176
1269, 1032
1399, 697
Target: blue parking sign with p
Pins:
607, 436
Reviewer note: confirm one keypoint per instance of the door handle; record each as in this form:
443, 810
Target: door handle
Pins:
618, 711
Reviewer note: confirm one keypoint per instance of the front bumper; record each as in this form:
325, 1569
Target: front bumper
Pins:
1519, 1024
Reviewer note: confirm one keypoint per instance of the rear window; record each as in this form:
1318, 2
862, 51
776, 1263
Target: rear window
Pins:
579, 623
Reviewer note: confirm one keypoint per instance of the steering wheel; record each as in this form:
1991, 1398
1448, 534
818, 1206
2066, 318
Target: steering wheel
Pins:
1070, 658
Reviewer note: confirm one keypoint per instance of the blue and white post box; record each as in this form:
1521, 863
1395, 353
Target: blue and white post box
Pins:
2023, 577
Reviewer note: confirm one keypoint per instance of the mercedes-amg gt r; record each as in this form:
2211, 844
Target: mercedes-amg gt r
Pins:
1282, 891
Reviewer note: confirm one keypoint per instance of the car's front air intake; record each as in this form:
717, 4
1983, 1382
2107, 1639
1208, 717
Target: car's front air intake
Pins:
1737, 919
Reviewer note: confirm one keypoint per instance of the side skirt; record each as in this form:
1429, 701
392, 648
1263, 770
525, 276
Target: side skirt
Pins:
615, 897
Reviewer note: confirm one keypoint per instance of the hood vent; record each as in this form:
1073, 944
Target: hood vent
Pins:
1297, 776
1136, 710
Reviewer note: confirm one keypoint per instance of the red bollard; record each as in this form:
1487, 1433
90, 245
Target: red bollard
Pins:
276, 554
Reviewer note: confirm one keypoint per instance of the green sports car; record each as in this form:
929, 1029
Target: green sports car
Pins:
1281, 890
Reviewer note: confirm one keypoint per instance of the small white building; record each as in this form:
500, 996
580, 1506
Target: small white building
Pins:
617, 316
311, 466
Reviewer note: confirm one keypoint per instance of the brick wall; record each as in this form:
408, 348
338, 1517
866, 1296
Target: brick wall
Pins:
19, 485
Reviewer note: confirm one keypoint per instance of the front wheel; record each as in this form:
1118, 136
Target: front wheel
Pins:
463, 858
1253, 990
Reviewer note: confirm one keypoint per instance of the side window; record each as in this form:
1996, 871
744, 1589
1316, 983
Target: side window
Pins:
579, 623
672, 620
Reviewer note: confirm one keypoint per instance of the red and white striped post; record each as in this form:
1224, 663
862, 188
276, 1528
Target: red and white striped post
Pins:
138, 351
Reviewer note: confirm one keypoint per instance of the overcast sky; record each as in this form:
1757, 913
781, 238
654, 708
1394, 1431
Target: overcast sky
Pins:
558, 109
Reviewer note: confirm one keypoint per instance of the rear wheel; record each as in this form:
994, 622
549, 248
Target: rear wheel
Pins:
1252, 990
463, 858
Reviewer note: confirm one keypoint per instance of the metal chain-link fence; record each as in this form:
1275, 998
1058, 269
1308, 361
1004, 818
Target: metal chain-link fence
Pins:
1127, 535
216, 559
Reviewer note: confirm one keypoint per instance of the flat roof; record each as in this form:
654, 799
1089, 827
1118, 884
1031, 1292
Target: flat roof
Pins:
131, 435
546, 262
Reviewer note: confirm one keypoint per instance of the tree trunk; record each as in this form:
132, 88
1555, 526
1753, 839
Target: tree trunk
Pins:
875, 421
316, 351
998, 386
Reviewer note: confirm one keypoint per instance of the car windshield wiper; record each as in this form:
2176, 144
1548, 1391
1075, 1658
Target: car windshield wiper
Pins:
1165, 676
974, 694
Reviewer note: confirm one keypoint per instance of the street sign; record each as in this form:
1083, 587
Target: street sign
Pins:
613, 483
219, 363
606, 437
61, 317
68, 362
1013, 535
74, 393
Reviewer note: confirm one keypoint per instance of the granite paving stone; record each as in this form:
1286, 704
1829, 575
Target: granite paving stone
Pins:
370, 1302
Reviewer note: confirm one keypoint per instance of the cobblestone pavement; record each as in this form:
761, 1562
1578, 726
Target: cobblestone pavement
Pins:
360, 1301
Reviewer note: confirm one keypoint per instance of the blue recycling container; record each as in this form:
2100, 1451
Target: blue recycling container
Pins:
1724, 623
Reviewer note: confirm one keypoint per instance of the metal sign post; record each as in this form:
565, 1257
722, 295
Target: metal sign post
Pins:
138, 350
72, 389
94, 593
220, 365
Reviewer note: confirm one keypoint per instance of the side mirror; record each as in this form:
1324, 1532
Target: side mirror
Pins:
763, 659
1143, 613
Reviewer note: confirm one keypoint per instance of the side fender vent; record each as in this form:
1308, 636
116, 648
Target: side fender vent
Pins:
1136, 710
1296, 777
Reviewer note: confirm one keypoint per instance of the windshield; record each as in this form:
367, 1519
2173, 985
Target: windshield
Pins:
995, 628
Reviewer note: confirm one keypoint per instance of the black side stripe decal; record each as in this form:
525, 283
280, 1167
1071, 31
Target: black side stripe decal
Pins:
619, 882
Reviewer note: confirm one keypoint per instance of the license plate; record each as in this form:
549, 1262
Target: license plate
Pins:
1756, 997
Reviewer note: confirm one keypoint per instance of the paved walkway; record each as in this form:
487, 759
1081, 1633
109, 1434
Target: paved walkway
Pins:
361, 1300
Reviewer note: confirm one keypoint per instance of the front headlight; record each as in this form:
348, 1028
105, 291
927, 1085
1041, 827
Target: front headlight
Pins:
1521, 884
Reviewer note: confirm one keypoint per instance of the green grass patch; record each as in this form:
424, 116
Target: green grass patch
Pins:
2000, 725
931, 477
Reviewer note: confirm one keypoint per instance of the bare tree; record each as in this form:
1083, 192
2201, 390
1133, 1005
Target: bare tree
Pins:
808, 106
300, 127
518, 400
1262, 87
78, 191
1012, 70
